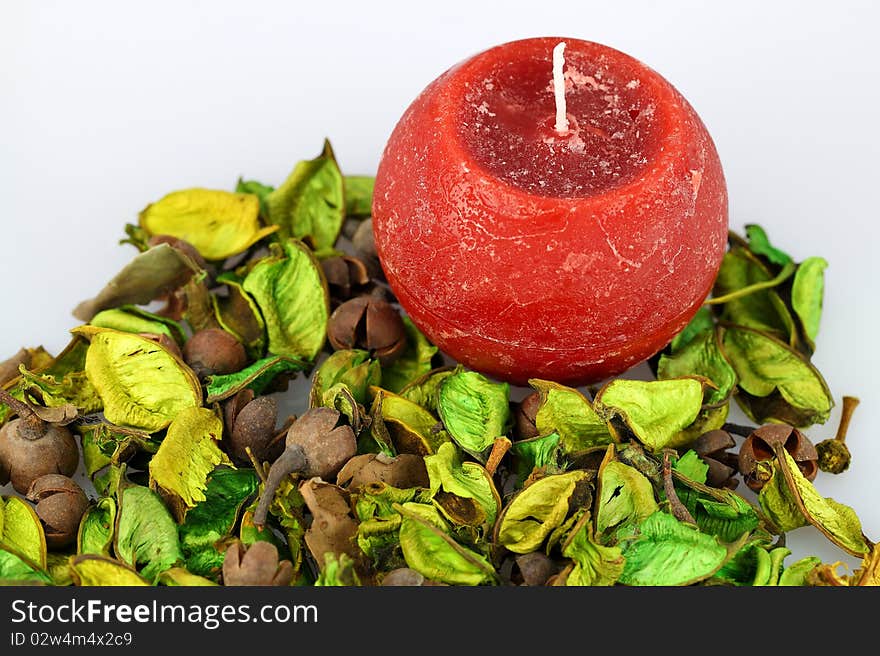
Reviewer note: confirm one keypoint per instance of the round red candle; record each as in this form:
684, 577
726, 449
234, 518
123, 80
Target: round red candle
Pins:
524, 251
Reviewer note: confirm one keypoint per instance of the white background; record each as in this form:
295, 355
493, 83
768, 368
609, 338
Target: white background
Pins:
107, 106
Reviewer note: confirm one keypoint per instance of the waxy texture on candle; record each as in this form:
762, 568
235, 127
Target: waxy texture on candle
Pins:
525, 251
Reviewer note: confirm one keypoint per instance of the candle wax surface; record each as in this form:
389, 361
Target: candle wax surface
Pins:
526, 253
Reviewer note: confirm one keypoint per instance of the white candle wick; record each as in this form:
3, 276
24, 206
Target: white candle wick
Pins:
559, 88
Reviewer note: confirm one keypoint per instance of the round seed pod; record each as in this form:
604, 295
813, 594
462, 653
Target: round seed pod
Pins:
534, 568
370, 323
761, 446
326, 446
834, 456
403, 577
61, 504
30, 448
214, 351
404, 470
254, 427
524, 416
256, 565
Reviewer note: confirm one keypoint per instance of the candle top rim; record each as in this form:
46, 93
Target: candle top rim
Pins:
671, 108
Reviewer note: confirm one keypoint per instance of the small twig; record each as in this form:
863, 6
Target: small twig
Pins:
499, 448
849, 406
738, 429
678, 509
292, 460
23, 410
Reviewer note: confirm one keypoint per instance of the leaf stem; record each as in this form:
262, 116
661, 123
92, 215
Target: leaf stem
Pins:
849, 406
781, 277
679, 510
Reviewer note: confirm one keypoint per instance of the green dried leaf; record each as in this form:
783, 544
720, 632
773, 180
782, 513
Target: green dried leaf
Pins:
257, 377
702, 322
778, 503
447, 473
807, 293
213, 520
796, 574
668, 552
258, 189
95, 534
22, 531
776, 383
178, 576
198, 305
428, 549
626, 498
425, 390
657, 412
594, 564
132, 319
93, 570
747, 289
148, 276
474, 410
533, 513
410, 428
189, 453
564, 410
73, 389
290, 289
359, 195
760, 244
751, 565
414, 362
16, 571
541, 452
691, 466
219, 224
145, 535
838, 522
718, 512
350, 367
237, 313
310, 203
338, 571
141, 384
701, 356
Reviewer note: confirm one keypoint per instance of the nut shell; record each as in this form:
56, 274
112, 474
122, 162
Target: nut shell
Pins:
24, 460
61, 504
214, 351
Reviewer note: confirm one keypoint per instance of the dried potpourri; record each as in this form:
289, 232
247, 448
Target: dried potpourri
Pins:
403, 468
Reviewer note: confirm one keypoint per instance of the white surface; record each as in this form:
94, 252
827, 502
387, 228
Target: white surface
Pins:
106, 106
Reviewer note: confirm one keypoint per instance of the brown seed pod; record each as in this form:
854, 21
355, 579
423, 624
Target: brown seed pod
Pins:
327, 447
403, 577
214, 351
315, 447
365, 246
180, 244
257, 565
31, 447
370, 323
347, 277
9, 368
524, 414
712, 447
761, 446
404, 470
254, 427
533, 569
61, 504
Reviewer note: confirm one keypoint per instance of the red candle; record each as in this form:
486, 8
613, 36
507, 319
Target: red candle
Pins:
560, 222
